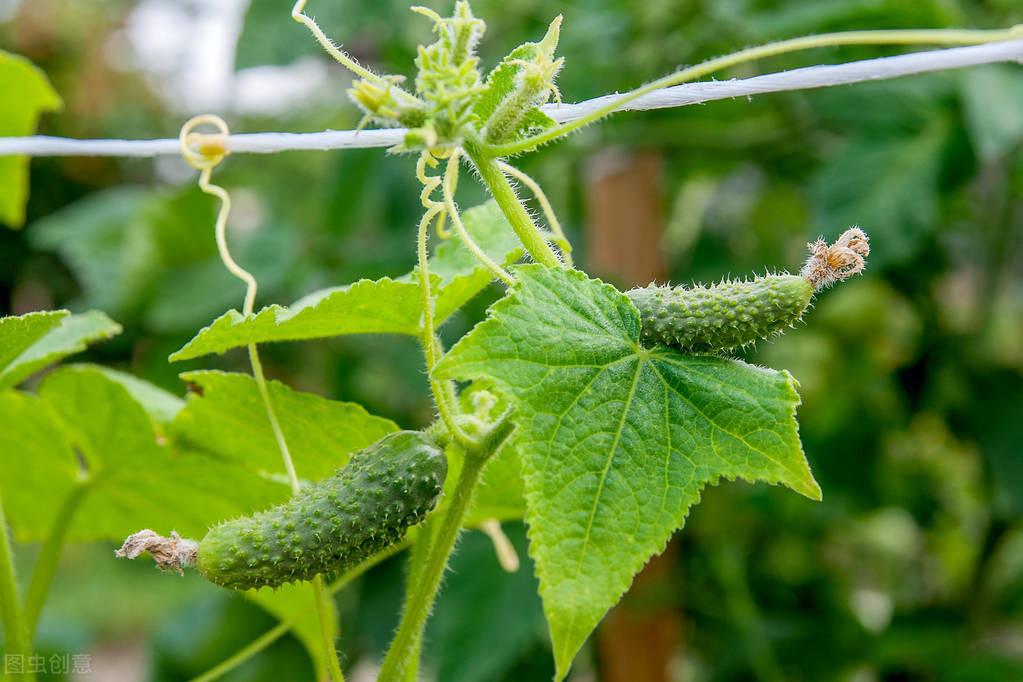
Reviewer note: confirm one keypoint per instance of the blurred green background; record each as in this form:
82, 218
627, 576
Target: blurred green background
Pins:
912, 376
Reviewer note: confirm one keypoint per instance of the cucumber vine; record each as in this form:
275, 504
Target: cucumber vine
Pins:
612, 410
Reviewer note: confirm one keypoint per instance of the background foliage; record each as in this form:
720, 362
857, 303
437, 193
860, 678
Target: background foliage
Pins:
911, 377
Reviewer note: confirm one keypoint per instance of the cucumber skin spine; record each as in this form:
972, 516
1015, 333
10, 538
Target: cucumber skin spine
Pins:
332, 525
709, 319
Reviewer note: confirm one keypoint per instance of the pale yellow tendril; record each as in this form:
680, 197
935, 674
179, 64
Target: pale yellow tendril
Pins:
204, 153
450, 180
505, 550
335, 51
545, 205
443, 391
434, 208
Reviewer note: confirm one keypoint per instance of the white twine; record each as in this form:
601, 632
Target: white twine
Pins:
677, 96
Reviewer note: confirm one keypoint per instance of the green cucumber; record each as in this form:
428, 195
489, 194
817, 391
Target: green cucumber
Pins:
720, 317
707, 319
334, 524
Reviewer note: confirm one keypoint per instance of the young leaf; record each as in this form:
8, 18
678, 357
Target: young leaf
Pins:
617, 441
27, 94
31, 342
227, 419
383, 306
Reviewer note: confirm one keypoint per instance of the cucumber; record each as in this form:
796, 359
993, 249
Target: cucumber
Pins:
330, 526
707, 319
719, 317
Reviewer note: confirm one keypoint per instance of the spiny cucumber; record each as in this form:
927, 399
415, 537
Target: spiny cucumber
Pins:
719, 317
328, 527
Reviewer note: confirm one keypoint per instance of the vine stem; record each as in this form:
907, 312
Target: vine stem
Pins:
49, 555
881, 37
205, 158
15, 633
545, 205
503, 193
426, 583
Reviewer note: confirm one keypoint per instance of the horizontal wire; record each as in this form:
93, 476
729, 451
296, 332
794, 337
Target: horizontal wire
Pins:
807, 78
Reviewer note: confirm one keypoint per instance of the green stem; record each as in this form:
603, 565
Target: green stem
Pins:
884, 37
426, 584
417, 560
282, 628
244, 654
324, 614
49, 556
323, 610
15, 633
498, 185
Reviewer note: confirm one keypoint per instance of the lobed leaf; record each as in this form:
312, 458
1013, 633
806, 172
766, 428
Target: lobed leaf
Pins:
617, 441
36, 340
384, 306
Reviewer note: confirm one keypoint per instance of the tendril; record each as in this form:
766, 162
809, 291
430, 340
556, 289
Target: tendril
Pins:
436, 210
204, 153
450, 181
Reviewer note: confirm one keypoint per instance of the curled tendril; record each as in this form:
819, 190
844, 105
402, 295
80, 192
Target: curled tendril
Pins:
434, 209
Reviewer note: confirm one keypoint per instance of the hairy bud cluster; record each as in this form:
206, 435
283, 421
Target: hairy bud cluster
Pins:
449, 78
534, 84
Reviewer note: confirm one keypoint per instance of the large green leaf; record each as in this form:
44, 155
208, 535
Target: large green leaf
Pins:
616, 440
31, 342
26, 95
37, 468
226, 417
383, 306
87, 429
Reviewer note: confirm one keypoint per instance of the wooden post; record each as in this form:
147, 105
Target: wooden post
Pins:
639, 639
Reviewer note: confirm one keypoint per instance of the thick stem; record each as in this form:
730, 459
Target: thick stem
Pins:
15, 633
882, 37
426, 584
49, 556
545, 205
498, 185
417, 560
324, 613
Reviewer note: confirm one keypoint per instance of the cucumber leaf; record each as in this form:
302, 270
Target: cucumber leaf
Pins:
383, 306
36, 340
617, 441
